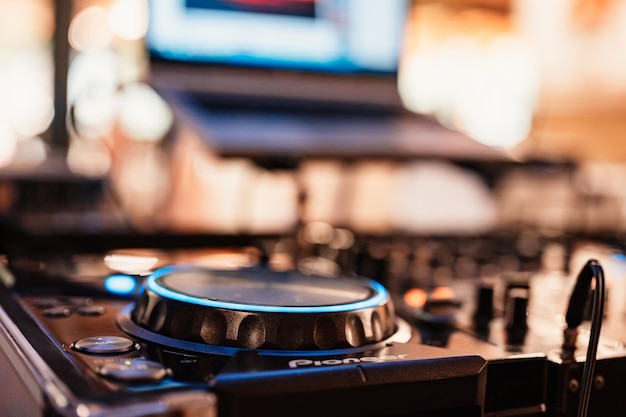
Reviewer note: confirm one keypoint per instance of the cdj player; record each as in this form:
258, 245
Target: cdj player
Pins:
158, 334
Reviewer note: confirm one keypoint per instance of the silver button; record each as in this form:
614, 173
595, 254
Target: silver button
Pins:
133, 370
104, 345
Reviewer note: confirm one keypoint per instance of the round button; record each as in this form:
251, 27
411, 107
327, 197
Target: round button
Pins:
134, 370
104, 345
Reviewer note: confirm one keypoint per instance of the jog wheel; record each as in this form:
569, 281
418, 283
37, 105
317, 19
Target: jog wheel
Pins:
257, 308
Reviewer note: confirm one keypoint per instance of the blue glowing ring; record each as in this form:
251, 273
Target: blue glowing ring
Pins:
380, 297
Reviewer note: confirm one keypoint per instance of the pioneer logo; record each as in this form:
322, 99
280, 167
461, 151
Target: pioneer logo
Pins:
296, 363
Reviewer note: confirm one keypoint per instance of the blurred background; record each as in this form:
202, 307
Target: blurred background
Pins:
522, 164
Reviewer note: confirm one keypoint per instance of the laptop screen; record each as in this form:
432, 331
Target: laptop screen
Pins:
333, 36
330, 51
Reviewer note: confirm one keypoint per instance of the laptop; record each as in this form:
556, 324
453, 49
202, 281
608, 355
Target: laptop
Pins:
292, 79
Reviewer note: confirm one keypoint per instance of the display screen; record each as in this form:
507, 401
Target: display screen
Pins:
334, 36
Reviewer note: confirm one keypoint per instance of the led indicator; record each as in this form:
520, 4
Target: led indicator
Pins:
120, 284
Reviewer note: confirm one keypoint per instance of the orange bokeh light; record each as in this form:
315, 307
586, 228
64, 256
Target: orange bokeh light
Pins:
415, 297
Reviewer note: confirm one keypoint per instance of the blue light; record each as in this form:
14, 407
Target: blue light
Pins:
151, 283
120, 284
620, 257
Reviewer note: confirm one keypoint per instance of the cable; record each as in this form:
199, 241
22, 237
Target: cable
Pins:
594, 337
574, 317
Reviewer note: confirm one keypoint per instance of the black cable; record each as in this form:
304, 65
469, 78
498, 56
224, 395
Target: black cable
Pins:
575, 311
594, 337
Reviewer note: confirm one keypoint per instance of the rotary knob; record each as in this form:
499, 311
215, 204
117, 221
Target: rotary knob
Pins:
258, 308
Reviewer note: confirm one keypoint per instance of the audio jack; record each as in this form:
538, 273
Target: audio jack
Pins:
574, 317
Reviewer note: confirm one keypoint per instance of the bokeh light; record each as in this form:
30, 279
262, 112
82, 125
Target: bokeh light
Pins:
88, 158
8, 142
144, 116
93, 84
89, 30
25, 92
472, 72
24, 23
30, 109
128, 19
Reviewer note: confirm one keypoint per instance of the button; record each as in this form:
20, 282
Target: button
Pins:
104, 345
134, 370
45, 303
484, 309
91, 310
516, 318
56, 312
79, 301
